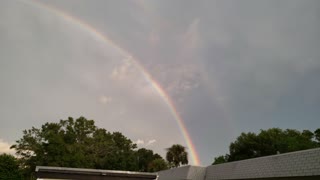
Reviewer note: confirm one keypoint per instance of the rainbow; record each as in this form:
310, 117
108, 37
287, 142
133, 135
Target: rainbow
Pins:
156, 86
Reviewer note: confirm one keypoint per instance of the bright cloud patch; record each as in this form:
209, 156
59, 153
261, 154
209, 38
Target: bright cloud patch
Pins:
139, 142
145, 143
5, 147
105, 99
150, 142
124, 71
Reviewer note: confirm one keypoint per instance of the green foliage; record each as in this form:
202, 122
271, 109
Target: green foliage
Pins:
317, 135
157, 164
269, 142
9, 167
80, 144
220, 160
144, 157
148, 161
244, 147
177, 155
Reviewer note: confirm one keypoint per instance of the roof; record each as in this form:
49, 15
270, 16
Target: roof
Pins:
78, 173
184, 172
295, 164
300, 165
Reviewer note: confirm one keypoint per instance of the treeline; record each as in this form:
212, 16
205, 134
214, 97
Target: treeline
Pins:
79, 143
269, 142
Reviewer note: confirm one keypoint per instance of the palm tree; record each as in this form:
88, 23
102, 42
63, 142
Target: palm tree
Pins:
177, 155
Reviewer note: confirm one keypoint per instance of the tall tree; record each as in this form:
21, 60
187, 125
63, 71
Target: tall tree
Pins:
177, 155
148, 161
269, 142
144, 157
75, 143
244, 147
9, 167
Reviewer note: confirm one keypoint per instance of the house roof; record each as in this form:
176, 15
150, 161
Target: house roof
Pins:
79, 173
184, 172
301, 164
294, 164
297, 164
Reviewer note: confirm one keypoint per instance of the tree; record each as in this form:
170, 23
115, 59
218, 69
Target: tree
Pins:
75, 143
148, 161
158, 164
9, 167
144, 157
244, 147
220, 160
317, 135
177, 155
269, 142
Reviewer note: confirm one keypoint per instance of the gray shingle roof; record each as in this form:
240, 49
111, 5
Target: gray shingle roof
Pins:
84, 174
185, 172
300, 163
296, 164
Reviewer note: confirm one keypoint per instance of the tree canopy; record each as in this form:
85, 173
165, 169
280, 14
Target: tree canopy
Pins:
158, 164
9, 167
269, 142
79, 143
149, 162
177, 155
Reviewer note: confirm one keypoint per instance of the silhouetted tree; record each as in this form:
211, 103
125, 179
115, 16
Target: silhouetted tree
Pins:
177, 155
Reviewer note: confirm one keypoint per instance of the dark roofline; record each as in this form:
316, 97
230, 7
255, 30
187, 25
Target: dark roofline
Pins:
189, 165
269, 156
58, 172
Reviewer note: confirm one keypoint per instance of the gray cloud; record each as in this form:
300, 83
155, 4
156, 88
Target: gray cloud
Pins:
52, 69
229, 67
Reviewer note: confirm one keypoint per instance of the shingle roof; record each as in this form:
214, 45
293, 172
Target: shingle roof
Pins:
300, 163
296, 164
185, 172
79, 173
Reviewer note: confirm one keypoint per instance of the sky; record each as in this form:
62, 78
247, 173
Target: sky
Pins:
228, 67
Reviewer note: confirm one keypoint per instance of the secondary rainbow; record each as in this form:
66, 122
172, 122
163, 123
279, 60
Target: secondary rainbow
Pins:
156, 86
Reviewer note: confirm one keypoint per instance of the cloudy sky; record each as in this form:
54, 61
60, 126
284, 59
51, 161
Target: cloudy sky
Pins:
229, 67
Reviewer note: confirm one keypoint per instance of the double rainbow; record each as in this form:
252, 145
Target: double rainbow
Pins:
157, 87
